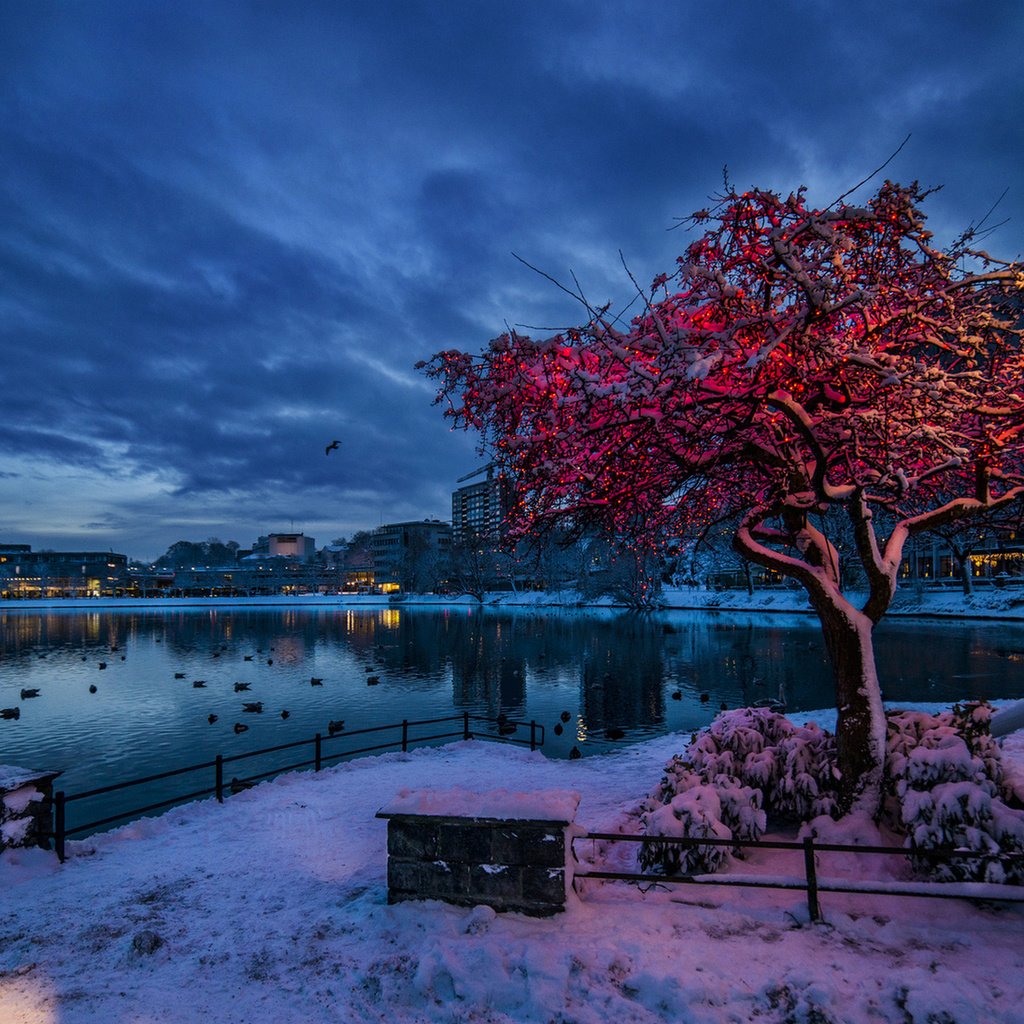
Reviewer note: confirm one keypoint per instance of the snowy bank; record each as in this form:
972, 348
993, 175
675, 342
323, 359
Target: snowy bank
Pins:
272, 908
992, 603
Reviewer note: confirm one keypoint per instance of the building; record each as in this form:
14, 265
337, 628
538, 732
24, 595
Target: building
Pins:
413, 557
478, 510
25, 573
291, 545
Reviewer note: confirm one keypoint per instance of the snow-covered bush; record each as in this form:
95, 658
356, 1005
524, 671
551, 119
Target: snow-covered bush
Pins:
693, 813
793, 766
946, 788
944, 780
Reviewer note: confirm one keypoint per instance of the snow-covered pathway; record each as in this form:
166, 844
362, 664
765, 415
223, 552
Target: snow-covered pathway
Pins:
272, 908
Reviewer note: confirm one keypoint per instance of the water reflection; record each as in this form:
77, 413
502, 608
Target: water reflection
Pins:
617, 676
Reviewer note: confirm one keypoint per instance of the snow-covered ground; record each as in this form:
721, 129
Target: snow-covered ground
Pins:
272, 908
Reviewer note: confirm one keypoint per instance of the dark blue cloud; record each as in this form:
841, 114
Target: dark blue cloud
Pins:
229, 231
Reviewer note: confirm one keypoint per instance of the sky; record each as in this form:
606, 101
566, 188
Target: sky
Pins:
228, 232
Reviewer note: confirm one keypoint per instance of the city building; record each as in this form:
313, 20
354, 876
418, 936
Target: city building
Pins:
291, 545
25, 573
479, 509
412, 557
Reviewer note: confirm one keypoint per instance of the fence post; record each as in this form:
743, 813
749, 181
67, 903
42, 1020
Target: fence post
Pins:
465, 726
813, 910
219, 777
58, 824
533, 735
316, 752
405, 735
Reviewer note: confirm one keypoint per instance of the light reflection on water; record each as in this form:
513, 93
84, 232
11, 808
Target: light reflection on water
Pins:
611, 671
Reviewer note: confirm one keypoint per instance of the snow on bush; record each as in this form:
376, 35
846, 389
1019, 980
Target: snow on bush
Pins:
693, 813
792, 765
947, 790
944, 780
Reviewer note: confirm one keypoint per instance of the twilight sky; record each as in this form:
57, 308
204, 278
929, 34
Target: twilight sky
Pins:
229, 230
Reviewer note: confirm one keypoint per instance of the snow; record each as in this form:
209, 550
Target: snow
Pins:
931, 602
546, 805
12, 777
16, 800
273, 908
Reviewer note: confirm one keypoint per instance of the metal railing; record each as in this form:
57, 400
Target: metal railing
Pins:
407, 736
810, 882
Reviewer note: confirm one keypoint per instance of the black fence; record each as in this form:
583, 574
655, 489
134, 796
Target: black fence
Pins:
810, 883
323, 750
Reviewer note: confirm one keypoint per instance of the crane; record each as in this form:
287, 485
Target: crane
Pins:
488, 469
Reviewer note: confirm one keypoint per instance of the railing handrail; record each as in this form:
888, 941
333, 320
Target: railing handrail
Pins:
60, 830
940, 852
810, 883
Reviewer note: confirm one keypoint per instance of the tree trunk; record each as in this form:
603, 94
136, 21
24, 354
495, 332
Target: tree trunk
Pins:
860, 722
966, 570
748, 575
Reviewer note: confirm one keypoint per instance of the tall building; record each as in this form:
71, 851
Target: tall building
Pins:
479, 509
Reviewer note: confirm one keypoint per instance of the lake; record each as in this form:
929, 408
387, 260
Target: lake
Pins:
618, 676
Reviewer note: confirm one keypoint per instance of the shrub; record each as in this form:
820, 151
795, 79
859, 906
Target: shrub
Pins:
944, 781
947, 790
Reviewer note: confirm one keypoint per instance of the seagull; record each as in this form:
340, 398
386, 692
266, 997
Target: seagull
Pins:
332, 447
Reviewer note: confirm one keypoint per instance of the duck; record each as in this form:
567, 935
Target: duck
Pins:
26, 694
565, 716
315, 681
677, 694
614, 733
254, 707
92, 688
198, 684
333, 728
10, 713
239, 687
240, 728
285, 713
211, 718
247, 657
102, 664
575, 754
372, 680
558, 730
179, 675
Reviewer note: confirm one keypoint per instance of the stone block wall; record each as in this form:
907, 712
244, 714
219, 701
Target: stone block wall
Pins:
26, 807
508, 863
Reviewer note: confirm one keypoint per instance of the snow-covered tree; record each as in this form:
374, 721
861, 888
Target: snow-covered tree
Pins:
798, 360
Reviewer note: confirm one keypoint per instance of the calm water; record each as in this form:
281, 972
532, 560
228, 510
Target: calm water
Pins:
611, 671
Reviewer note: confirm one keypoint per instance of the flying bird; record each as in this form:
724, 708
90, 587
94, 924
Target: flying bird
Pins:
332, 447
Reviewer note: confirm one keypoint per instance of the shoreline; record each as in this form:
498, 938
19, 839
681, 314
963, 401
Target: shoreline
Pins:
999, 605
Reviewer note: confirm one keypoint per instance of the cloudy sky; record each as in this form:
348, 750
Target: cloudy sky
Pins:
229, 230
